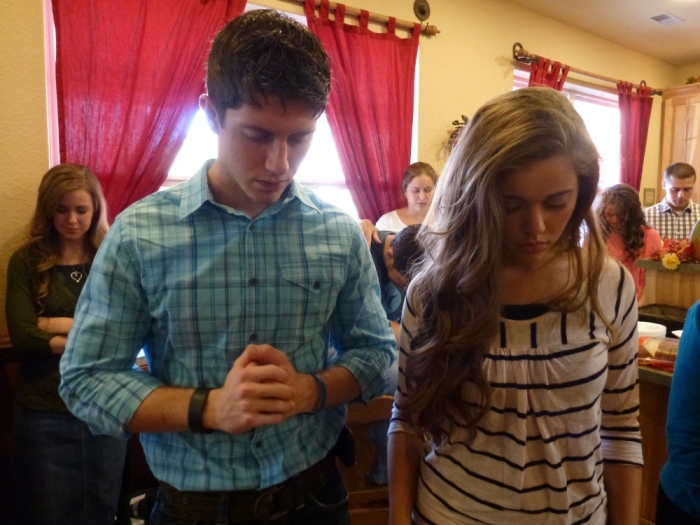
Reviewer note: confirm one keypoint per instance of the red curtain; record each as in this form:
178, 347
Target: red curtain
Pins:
635, 112
545, 73
128, 77
370, 110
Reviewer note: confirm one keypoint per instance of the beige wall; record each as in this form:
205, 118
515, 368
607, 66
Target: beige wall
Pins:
682, 73
461, 68
24, 154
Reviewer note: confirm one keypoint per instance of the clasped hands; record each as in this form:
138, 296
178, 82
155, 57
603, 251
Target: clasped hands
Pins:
262, 388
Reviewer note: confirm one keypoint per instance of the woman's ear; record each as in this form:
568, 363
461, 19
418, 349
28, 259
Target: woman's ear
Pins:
206, 104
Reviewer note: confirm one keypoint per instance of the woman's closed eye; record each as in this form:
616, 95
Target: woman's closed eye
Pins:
558, 203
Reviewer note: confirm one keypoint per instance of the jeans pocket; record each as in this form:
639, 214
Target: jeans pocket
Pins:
331, 495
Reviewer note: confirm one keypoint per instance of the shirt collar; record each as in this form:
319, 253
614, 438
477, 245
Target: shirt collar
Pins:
195, 192
665, 208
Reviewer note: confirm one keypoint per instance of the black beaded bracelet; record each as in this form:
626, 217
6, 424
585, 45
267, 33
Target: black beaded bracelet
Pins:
195, 413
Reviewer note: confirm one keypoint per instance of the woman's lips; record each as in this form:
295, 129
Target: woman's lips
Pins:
534, 247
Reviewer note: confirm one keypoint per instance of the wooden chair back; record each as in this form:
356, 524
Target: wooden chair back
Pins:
369, 504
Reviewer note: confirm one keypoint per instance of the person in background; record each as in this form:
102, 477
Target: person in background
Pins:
518, 398
675, 216
62, 473
417, 187
235, 283
678, 499
625, 230
395, 260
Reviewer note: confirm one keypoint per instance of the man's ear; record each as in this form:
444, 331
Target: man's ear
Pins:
663, 184
390, 254
206, 104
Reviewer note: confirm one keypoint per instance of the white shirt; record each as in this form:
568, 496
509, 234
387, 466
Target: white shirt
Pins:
390, 222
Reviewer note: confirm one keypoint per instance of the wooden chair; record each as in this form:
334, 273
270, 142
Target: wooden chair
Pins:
369, 505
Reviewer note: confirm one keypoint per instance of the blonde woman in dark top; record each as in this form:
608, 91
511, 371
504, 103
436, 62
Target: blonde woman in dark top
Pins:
62, 473
517, 399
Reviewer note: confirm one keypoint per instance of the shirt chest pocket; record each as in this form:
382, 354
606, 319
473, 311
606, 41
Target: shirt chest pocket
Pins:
312, 291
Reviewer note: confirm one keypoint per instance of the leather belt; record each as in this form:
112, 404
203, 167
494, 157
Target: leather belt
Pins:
246, 505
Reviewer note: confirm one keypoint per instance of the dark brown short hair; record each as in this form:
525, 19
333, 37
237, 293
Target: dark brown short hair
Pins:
680, 170
264, 53
407, 250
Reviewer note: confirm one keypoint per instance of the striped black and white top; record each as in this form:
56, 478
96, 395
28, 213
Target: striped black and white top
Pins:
565, 400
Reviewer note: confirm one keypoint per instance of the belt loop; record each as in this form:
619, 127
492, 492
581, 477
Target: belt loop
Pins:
222, 514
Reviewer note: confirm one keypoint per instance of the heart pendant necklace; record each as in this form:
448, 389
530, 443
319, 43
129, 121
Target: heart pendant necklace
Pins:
76, 275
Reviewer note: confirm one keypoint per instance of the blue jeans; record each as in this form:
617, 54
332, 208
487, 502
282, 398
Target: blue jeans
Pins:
62, 474
377, 433
328, 505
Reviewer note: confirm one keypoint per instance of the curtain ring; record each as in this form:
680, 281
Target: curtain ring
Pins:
516, 47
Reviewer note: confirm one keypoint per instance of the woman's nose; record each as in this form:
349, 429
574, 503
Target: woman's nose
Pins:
534, 222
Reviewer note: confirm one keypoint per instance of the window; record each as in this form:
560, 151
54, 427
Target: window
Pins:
600, 111
320, 171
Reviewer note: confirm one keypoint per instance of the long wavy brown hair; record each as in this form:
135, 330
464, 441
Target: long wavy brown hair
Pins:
44, 240
624, 199
455, 295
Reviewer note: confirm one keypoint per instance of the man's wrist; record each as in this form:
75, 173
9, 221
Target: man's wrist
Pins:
318, 400
196, 409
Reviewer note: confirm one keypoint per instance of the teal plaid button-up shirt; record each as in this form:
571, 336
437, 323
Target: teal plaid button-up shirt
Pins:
194, 282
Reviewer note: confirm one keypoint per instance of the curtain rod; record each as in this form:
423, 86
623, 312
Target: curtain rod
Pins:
426, 30
520, 55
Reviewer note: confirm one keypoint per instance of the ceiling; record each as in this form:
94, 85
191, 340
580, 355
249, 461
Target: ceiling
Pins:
629, 23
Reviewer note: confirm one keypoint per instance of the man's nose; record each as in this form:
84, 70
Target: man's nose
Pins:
277, 161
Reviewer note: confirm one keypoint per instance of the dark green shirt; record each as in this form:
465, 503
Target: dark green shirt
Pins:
39, 376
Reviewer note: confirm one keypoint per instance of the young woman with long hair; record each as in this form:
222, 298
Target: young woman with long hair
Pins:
417, 187
517, 398
625, 230
62, 473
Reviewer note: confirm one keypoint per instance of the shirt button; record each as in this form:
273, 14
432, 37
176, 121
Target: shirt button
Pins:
253, 281
251, 227
317, 285
253, 337
258, 444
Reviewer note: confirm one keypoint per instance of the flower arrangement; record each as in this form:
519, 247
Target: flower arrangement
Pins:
675, 252
693, 80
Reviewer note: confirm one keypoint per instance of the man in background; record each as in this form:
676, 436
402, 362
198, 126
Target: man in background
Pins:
235, 283
394, 257
675, 216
